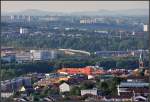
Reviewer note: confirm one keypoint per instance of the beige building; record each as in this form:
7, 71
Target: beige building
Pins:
64, 87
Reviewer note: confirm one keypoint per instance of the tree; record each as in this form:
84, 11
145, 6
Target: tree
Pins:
104, 86
75, 90
87, 85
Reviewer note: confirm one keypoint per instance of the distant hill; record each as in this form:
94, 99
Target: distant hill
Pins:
134, 12
33, 12
129, 12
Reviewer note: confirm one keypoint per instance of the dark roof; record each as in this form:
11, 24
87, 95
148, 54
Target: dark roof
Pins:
118, 97
137, 77
133, 84
139, 90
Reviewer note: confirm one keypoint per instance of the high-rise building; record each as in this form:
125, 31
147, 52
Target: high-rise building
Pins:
23, 30
145, 28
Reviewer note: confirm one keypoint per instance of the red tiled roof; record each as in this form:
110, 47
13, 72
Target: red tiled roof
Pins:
85, 70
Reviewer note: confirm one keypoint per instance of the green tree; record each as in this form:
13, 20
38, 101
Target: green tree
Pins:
75, 90
87, 85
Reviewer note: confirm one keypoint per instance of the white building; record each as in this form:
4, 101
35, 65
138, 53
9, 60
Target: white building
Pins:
90, 76
41, 55
145, 28
23, 30
53, 54
64, 87
89, 91
130, 88
101, 31
6, 94
88, 21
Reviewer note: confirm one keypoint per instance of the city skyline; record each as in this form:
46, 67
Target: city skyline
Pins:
72, 6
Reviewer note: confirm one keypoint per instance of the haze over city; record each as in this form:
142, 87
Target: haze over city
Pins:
72, 6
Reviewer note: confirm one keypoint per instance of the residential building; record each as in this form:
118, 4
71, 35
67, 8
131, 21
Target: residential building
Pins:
117, 99
145, 28
112, 53
88, 21
42, 55
89, 91
15, 84
23, 30
85, 70
88, 70
23, 57
64, 87
138, 90
8, 58
6, 94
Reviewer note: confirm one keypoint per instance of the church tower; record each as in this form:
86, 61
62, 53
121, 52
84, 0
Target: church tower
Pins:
141, 63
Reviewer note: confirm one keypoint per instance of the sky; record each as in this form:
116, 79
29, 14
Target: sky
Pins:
72, 6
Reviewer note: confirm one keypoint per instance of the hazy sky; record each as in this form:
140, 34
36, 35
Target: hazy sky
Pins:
71, 6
